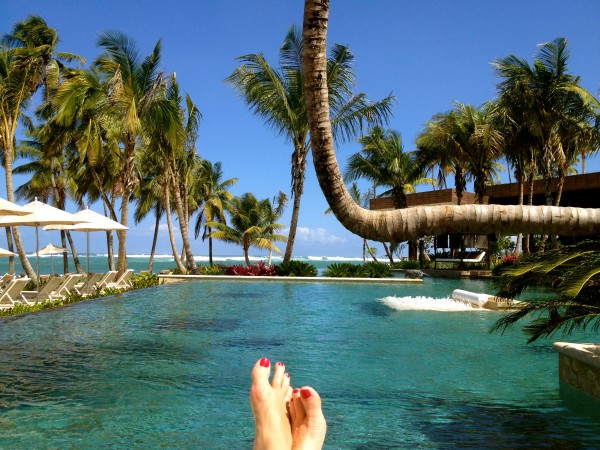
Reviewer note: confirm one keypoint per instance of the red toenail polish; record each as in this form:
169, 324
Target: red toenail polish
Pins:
295, 391
287, 374
265, 362
305, 393
280, 364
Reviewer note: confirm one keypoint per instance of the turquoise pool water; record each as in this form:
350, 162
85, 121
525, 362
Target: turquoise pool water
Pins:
169, 367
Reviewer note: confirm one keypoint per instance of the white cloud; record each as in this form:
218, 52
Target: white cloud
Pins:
317, 236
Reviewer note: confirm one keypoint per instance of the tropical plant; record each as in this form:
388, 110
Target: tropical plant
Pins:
370, 269
566, 285
410, 223
278, 97
214, 197
250, 225
296, 268
260, 269
28, 61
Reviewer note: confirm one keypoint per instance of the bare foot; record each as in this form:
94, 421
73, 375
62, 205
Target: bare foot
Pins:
269, 405
308, 423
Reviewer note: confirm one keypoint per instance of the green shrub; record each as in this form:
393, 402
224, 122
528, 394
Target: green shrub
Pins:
144, 280
296, 269
211, 270
407, 264
349, 270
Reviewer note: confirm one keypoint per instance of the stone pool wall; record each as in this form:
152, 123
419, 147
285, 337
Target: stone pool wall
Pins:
579, 366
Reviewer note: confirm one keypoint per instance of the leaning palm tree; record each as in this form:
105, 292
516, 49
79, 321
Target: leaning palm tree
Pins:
215, 199
568, 282
28, 61
251, 225
278, 97
411, 223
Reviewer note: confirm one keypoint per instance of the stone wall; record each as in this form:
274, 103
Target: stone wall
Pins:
579, 366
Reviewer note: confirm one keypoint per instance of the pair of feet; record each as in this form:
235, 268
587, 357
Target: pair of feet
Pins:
284, 418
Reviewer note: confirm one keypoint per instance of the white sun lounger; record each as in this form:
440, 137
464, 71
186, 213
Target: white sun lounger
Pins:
32, 297
66, 286
89, 285
123, 281
108, 277
11, 295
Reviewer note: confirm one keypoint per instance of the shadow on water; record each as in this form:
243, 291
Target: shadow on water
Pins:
254, 344
376, 309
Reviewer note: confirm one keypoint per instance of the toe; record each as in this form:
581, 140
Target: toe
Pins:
261, 372
311, 402
278, 375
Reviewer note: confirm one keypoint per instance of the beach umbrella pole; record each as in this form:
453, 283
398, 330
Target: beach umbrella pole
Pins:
37, 264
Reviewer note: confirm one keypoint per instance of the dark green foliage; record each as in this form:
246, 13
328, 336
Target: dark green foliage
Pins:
211, 270
407, 264
349, 270
144, 280
566, 283
296, 269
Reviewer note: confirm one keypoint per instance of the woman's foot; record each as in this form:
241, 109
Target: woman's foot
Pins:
308, 423
269, 404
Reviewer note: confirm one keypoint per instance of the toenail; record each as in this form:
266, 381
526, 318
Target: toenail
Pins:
280, 364
287, 374
295, 391
305, 393
265, 362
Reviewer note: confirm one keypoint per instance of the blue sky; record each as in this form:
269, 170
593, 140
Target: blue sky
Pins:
428, 54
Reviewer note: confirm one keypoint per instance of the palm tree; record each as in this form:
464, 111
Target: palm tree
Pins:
278, 97
137, 91
411, 223
569, 281
28, 61
251, 225
383, 161
464, 141
547, 100
215, 198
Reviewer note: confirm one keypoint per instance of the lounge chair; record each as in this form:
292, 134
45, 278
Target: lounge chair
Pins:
69, 281
89, 285
123, 281
108, 277
5, 279
12, 294
32, 297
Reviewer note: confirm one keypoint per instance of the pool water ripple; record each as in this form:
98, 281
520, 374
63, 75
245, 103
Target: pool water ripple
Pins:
169, 367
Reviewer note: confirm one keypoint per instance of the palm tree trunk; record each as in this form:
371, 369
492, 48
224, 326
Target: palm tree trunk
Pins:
411, 223
179, 208
110, 247
299, 164
10, 246
10, 194
154, 240
74, 252
167, 201
210, 248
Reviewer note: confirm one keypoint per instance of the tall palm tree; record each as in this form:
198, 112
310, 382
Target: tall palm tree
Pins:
251, 225
277, 95
548, 100
411, 223
28, 61
215, 198
138, 97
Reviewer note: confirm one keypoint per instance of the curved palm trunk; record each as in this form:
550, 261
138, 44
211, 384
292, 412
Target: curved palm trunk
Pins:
73, 253
154, 240
413, 223
183, 227
210, 248
180, 265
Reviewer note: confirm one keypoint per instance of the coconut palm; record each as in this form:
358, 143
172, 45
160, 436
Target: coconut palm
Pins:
568, 280
138, 100
214, 197
548, 100
410, 223
28, 61
251, 225
278, 97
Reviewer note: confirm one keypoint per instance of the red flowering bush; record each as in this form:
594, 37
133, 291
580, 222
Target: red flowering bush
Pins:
510, 258
260, 269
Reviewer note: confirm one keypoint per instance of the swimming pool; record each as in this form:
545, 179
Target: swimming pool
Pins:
170, 366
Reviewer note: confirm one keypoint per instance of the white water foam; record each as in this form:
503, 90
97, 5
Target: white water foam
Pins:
426, 304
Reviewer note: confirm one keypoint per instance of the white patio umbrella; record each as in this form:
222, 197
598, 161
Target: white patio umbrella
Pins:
11, 209
6, 253
52, 249
40, 214
93, 222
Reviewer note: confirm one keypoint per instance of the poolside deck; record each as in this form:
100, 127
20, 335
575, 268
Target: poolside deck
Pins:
178, 278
